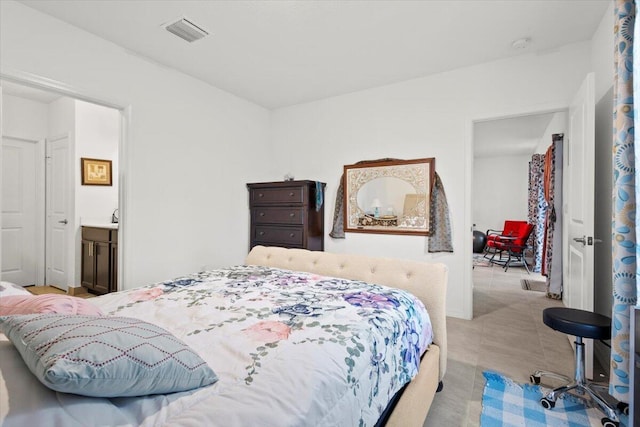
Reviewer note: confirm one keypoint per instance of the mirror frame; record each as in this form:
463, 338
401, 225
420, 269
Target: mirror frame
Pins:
421, 173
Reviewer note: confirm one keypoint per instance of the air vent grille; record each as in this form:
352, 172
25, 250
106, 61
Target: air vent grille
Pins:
186, 30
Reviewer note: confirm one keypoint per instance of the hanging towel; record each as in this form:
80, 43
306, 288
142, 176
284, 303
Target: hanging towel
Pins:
337, 232
440, 238
319, 195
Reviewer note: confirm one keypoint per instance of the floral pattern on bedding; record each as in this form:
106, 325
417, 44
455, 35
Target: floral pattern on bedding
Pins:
371, 336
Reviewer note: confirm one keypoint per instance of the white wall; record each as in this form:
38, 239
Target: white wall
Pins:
62, 117
500, 189
425, 117
24, 118
97, 135
602, 54
558, 124
192, 147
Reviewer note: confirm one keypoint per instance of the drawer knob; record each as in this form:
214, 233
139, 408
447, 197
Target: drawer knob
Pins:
291, 194
261, 213
292, 214
291, 234
260, 195
261, 233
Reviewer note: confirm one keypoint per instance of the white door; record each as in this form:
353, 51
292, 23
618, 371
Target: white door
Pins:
19, 205
58, 189
579, 195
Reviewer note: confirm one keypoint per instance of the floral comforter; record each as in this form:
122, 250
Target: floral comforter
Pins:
289, 348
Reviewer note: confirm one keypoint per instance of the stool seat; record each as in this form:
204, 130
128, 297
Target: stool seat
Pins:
580, 323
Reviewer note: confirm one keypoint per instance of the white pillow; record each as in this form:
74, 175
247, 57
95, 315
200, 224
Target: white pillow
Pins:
8, 288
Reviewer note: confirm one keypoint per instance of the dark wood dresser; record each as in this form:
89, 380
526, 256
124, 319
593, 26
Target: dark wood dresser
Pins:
284, 214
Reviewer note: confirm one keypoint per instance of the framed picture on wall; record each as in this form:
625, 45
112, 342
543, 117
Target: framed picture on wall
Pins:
95, 171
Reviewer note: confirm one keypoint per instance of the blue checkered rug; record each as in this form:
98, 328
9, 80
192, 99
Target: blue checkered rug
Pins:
506, 403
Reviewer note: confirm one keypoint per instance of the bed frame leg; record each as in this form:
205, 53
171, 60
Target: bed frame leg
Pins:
440, 387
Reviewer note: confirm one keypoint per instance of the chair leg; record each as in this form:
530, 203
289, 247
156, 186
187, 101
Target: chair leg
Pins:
539, 373
506, 264
602, 404
553, 394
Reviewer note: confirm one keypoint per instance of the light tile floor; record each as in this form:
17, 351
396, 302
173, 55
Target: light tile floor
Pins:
506, 335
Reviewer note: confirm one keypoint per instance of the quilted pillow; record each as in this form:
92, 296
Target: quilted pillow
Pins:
104, 356
8, 288
46, 303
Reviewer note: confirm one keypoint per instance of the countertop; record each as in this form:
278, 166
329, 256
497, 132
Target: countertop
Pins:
101, 225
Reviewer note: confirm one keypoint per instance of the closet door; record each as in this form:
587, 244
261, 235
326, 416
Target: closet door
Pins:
19, 205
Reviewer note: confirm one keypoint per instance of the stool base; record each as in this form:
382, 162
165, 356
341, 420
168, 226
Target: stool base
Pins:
591, 392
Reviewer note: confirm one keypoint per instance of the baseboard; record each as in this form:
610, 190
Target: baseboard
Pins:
602, 354
77, 290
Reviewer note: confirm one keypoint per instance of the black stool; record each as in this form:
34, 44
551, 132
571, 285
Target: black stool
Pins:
581, 324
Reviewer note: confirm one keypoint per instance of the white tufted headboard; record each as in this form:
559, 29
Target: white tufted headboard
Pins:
427, 281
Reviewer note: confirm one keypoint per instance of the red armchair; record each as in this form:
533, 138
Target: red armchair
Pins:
509, 243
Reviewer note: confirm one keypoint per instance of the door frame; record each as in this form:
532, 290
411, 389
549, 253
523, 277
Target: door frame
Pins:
69, 237
467, 250
125, 109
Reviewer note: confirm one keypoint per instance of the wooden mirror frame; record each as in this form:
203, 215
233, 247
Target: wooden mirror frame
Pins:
419, 173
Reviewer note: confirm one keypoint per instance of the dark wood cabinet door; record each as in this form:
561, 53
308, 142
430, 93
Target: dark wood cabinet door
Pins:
102, 258
99, 259
87, 271
114, 269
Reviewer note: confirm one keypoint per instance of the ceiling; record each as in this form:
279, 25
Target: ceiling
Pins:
282, 53
515, 136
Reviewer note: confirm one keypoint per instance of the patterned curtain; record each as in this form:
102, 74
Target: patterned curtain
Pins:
625, 185
552, 265
537, 209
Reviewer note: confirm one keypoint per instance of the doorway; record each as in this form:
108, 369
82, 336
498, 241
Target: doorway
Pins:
502, 150
63, 129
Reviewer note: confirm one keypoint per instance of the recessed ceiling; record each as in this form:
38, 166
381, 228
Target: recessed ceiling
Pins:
515, 136
281, 53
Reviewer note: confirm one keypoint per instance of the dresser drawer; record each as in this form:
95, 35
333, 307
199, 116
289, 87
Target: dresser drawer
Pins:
266, 196
271, 215
283, 235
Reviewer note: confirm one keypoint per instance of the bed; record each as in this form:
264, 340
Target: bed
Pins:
303, 359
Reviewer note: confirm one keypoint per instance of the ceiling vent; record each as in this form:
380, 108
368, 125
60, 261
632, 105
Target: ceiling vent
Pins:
186, 30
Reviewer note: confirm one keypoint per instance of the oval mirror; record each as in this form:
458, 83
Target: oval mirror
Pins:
383, 197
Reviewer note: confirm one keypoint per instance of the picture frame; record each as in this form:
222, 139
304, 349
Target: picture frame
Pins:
96, 171
389, 197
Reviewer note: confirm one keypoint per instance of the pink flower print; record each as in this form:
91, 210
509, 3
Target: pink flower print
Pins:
146, 294
268, 331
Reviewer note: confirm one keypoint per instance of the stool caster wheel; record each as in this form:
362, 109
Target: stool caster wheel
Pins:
550, 404
606, 422
623, 408
534, 379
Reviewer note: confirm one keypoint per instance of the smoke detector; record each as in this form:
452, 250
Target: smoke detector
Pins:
186, 30
521, 44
